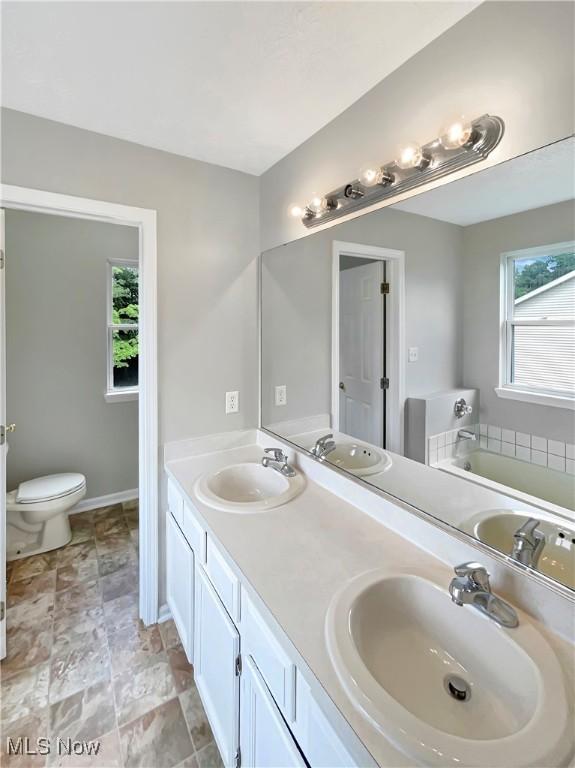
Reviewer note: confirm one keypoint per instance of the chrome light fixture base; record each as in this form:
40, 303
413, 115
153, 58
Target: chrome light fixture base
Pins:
486, 134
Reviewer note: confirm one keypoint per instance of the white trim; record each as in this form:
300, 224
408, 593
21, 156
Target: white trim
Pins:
540, 398
164, 614
87, 505
21, 198
121, 395
395, 335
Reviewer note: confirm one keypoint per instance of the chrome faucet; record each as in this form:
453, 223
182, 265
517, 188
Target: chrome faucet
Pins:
466, 434
324, 446
461, 409
278, 461
528, 543
471, 587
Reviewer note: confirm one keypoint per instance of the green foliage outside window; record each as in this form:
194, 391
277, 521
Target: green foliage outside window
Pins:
533, 273
125, 311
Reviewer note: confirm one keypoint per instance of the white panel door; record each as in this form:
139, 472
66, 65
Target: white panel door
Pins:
216, 649
2, 447
180, 584
361, 352
265, 739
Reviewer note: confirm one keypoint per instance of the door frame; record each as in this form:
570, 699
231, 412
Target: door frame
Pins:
394, 339
144, 219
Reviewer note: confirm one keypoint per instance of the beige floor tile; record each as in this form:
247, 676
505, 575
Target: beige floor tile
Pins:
33, 727
102, 752
33, 566
142, 688
132, 646
132, 518
25, 693
196, 718
84, 715
131, 506
32, 587
113, 525
182, 670
78, 626
209, 757
158, 739
189, 762
122, 613
170, 636
80, 665
112, 510
76, 573
76, 553
79, 598
119, 583
26, 646
82, 526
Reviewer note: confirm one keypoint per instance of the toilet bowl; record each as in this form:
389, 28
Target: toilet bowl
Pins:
37, 513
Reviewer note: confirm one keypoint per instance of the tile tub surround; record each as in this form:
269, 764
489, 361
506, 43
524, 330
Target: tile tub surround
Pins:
81, 665
293, 559
508, 442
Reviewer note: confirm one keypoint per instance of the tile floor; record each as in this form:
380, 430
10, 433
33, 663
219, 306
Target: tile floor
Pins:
81, 665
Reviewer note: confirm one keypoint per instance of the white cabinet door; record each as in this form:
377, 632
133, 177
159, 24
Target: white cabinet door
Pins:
216, 648
180, 584
265, 739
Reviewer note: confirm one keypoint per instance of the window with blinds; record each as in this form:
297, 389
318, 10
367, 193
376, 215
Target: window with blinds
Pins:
539, 321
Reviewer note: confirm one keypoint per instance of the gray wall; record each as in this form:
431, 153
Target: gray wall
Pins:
483, 245
513, 59
208, 243
296, 309
56, 353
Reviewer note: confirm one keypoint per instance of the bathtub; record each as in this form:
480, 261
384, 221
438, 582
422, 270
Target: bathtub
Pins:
542, 487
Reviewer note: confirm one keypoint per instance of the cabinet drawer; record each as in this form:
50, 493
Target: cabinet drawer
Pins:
273, 663
194, 533
175, 502
224, 580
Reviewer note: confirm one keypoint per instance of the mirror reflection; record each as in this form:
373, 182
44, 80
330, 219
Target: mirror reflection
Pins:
428, 348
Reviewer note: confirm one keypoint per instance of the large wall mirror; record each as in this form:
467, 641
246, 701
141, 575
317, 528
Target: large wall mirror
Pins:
428, 348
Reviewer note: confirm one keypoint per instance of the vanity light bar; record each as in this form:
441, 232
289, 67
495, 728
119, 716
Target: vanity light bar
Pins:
460, 146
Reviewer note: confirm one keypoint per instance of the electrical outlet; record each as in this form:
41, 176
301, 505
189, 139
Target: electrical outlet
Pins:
281, 394
232, 402
413, 354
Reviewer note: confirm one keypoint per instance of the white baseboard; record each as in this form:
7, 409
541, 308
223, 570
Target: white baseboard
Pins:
104, 501
164, 614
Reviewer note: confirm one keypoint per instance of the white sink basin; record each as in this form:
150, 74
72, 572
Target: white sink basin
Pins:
360, 459
557, 558
247, 487
398, 642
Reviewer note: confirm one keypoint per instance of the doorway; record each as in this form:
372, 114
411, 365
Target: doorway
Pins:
143, 221
367, 343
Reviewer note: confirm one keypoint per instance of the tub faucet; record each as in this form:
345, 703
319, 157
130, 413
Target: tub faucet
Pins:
323, 447
466, 434
278, 461
471, 587
528, 543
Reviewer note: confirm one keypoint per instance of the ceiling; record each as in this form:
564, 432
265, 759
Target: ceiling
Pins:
543, 177
239, 84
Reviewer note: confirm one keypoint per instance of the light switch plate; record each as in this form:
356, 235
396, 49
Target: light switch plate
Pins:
413, 354
232, 402
281, 395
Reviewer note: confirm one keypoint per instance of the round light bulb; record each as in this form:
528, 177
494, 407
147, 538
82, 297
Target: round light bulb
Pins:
317, 204
370, 175
295, 210
456, 133
410, 156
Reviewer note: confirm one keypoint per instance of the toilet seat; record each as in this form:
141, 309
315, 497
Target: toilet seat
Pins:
49, 487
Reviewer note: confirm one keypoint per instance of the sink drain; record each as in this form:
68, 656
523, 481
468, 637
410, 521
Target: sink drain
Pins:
458, 688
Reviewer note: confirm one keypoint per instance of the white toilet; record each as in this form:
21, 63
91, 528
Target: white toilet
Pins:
37, 513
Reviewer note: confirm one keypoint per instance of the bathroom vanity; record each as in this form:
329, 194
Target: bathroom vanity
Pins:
264, 573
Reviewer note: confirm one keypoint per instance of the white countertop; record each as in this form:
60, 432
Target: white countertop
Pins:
297, 556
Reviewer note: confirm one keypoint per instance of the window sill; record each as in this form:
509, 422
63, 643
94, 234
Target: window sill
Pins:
120, 396
556, 401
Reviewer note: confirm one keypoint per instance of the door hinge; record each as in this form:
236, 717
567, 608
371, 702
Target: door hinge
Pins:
385, 288
238, 760
2, 259
238, 665
384, 383
2, 434
2, 611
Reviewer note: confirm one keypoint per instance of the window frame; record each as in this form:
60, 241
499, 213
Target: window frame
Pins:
117, 394
507, 388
